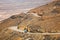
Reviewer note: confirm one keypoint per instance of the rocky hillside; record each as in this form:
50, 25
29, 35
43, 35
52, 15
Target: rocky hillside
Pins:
14, 35
12, 21
48, 18
41, 19
44, 19
49, 9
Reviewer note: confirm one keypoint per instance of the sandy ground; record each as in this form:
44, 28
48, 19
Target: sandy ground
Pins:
15, 29
18, 30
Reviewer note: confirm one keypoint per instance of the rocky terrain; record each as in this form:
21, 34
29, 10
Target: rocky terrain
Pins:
43, 19
12, 21
14, 35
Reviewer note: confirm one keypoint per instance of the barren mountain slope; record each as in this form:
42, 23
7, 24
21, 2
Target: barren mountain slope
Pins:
14, 35
12, 21
48, 9
49, 20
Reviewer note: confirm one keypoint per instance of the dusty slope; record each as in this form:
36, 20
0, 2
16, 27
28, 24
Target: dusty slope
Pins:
48, 9
38, 24
49, 20
14, 35
12, 21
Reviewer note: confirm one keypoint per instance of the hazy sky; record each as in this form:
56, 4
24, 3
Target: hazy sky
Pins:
9, 7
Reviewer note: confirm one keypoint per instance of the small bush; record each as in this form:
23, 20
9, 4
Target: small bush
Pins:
57, 4
13, 17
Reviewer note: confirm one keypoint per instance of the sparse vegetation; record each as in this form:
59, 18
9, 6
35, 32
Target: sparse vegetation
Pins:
57, 4
13, 17
33, 24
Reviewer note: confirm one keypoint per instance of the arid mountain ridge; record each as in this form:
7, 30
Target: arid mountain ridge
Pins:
49, 18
